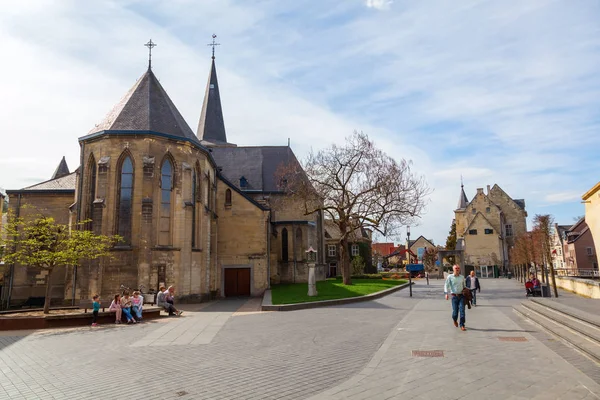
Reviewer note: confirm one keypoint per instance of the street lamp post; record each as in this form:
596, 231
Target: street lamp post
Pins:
408, 255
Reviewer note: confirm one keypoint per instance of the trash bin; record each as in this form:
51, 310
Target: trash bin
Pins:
509, 274
546, 290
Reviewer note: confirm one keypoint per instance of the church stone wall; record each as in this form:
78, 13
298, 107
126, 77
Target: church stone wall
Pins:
482, 248
147, 262
242, 237
31, 281
513, 214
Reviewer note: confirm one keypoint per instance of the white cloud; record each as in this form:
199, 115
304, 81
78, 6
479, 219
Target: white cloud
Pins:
563, 197
379, 4
500, 93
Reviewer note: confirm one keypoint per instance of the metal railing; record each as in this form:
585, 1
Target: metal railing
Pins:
581, 273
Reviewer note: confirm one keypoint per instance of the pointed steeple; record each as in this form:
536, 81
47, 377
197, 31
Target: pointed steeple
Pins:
211, 127
462, 200
61, 170
146, 108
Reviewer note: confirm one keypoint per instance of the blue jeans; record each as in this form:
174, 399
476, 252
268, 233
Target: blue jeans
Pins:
127, 312
137, 312
474, 295
458, 306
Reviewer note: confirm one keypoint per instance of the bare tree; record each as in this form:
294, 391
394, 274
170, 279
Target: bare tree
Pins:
543, 224
356, 185
430, 256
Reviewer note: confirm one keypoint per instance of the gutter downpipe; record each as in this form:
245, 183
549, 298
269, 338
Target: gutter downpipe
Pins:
269, 251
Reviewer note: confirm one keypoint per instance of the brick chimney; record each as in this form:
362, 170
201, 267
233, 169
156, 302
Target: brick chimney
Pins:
479, 190
488, 190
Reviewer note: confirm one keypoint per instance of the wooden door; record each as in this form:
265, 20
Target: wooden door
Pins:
237, 282
243, 280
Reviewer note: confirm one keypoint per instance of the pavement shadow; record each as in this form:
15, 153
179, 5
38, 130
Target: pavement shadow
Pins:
231, 304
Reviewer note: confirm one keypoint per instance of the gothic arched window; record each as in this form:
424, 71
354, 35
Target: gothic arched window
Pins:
195, 198
284, 245
166, 186
91, 192
125, 203
228, 198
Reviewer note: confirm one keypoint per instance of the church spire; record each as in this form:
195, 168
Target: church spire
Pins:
61, 170
462, 200
211, 127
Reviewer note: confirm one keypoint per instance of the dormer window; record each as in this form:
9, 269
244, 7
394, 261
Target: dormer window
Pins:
243, 183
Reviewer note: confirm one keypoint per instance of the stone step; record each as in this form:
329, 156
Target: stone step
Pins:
583, 328
555, 305
587, 347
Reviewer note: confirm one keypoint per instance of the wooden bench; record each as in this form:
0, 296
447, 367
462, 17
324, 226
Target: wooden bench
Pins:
88, 304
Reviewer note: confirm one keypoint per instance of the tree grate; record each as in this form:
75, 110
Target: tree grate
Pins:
428, 353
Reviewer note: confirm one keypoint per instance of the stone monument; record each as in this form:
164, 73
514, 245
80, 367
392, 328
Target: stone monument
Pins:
312, 278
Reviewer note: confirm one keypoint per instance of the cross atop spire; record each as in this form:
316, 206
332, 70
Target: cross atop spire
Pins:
150, 45
213, 44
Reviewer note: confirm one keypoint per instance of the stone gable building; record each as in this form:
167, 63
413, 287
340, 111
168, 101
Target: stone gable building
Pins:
194, 210
486, 228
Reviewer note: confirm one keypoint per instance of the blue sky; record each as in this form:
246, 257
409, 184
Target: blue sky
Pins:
500, 92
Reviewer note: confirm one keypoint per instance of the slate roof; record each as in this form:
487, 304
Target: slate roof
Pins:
520, 203
61, 170
462, 200
257, 164
66, 182
146, 107
211, 127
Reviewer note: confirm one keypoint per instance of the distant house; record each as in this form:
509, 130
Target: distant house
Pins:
559, 244
580, 252
592, 213
419, 247
359, 243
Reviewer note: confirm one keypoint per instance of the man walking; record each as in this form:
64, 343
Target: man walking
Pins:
473, 286
454, 286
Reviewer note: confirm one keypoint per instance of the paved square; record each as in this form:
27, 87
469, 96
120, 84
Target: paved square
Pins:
231, 350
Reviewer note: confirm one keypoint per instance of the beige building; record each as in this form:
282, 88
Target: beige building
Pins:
486, 228
194, 210
592, 213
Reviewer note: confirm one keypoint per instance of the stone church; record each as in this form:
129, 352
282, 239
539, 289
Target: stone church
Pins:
194, 210
486, 228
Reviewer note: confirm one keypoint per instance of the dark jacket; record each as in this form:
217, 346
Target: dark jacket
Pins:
469, 284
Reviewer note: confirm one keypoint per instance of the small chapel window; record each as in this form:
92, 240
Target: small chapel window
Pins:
284, 245
166, 186
228, 198
124, 210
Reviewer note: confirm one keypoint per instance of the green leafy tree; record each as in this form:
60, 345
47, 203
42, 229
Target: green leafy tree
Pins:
451, 242
39, 241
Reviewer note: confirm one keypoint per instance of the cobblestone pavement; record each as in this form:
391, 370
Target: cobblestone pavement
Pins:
360, 350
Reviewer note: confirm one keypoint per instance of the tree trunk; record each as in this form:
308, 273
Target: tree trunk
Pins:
48, 291
345, 261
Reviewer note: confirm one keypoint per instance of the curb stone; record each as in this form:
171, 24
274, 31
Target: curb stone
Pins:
267, 304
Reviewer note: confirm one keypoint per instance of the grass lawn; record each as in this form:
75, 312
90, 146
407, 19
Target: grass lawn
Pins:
291, 293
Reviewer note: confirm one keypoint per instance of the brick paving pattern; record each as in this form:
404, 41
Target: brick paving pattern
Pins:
361, 350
